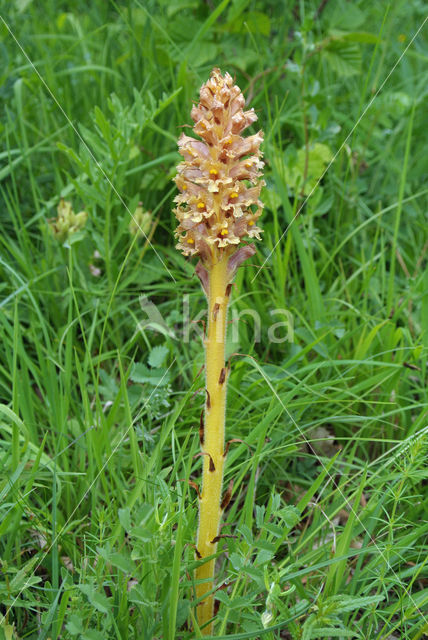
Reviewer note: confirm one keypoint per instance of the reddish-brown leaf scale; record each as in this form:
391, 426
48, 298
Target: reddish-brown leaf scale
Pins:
205, 453
201, 428
227, 496
222, 377
212, 466
223, 535
230, 442
195, 487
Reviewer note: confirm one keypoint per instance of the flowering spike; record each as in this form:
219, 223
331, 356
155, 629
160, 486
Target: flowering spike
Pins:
216, 208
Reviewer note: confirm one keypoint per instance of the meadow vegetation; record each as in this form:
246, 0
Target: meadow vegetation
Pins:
101, 386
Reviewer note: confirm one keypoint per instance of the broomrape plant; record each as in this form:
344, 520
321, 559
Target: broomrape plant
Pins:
217, 208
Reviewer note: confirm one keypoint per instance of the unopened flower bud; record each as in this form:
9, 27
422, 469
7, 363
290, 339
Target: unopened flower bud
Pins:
67, 222
140, 222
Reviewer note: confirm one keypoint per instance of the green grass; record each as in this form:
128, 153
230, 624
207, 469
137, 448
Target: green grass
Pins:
99, 410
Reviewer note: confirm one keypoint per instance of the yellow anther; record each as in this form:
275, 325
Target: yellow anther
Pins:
228, 141
224, 232
233, 195
250, 223
190, 241
214, 172
248, 165
201, 205
184, 187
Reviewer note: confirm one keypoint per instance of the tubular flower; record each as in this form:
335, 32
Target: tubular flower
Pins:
219, 180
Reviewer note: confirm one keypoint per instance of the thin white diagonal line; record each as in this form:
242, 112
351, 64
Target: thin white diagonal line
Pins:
84, 143
9, 607
268, 382
341, 147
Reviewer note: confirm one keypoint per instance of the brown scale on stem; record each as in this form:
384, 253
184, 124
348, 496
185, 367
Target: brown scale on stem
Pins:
222, 535
194, 486
222, 377
201, 428
205, 453
226, 451
227, 496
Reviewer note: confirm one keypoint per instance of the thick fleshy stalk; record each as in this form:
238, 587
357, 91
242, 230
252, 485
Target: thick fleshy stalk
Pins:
212, 436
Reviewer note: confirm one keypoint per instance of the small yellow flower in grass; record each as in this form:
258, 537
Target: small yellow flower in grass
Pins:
67, 222
141, 222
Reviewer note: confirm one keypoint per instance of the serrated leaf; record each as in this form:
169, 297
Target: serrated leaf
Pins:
157, 377
222, 597
343, 57
140, 373
263, 556
289, 515
246, 533
274, 529
267, 546
237, 561
157, 356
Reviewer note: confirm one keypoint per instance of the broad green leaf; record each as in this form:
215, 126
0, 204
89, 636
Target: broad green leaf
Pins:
74, 625
156, 377
319, 156
343, 57
97, 599
157, 356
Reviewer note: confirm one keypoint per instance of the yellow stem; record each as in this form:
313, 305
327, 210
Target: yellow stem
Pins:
213, 438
